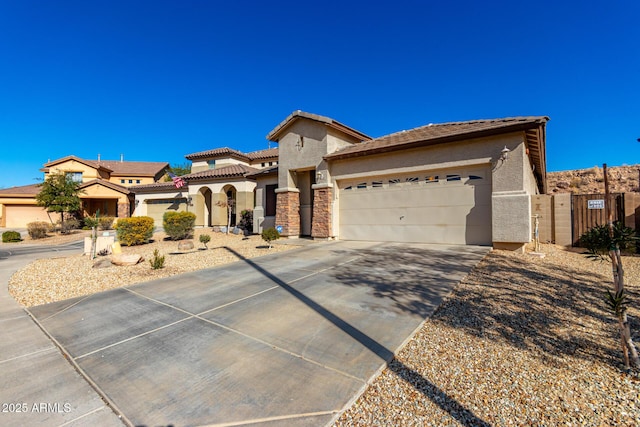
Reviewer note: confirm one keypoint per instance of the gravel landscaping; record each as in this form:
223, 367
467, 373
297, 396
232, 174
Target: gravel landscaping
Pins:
55, 279
521, 341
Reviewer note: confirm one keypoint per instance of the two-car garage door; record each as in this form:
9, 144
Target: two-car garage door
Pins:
444, 206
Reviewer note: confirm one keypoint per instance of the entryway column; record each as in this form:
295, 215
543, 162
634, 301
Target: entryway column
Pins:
288, 211
321, 225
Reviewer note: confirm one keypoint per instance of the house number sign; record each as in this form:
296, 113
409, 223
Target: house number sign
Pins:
595, 204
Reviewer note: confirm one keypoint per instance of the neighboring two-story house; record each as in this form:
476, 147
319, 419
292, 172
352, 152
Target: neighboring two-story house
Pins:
104, 186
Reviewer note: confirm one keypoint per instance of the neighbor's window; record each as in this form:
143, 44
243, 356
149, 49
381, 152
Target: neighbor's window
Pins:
270, 200
453, 178
211, 163
75, 176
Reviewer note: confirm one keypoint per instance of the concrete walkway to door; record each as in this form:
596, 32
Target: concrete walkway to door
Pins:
284, 339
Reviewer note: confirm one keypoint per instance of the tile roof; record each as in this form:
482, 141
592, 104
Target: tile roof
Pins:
231, 171
116, 167
273, 170
278, 131
23, 190
230, 152
156, 186
217, 152
263, 154
107, 184
438, 133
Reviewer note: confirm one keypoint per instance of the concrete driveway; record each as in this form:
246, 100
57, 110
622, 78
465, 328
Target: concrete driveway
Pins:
284, 339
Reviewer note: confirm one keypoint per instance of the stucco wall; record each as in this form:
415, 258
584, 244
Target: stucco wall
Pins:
512, 180
260, 221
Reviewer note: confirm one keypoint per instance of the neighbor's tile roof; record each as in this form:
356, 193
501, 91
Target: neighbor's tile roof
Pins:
231, 171
23, 190
438, 133
134, 168
107, 184
116, 167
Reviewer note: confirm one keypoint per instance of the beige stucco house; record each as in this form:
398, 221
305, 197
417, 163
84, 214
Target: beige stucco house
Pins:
216, 176
104, 186
450, 183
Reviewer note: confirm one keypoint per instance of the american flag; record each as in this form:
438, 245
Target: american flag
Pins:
177, 181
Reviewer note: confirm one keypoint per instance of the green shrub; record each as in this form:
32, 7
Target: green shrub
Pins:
269, 235
157, 262
105, 222
90, 222
246, 221
179, 225
134, 231
11, 236
68, 225
38, 229
204, 239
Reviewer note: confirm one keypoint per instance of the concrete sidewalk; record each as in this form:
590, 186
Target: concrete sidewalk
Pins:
38, 386
285, 339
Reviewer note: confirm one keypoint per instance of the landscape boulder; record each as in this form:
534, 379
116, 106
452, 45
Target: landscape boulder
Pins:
126, 259
185, 245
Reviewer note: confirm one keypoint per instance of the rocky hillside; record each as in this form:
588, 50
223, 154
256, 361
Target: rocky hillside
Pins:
622, 179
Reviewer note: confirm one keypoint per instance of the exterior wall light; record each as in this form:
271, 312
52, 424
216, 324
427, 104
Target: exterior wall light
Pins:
319, 176
504, 154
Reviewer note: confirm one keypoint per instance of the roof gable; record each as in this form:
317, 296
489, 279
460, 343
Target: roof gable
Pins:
279, 130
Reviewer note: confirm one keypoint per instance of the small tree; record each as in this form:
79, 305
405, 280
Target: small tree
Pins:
604, 241
269, 235
228, 204
204, 239
59, 193
178, 170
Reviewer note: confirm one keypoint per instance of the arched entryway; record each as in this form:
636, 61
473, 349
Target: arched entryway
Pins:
207, 211
229, 195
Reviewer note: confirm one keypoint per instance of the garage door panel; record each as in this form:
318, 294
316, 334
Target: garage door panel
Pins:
18, 216
408, 210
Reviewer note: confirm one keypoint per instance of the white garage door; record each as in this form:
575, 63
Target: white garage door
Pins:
157, 207
444, 206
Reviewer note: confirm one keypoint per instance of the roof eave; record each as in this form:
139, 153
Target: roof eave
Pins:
279, 130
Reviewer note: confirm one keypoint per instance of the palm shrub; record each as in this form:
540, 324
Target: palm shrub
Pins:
269, 235
135, 230
38, 229
11, 236
179, 225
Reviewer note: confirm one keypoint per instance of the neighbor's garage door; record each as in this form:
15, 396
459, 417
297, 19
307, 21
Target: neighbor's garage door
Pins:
445, 206
18, 216
157, 207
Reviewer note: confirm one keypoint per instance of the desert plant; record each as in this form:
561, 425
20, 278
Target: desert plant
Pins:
11, 237
269, 235
105, 222
135, 230
157, 262
246, 221
38, 229
65, 226
204, 239
90, 222
179, 225
601, 241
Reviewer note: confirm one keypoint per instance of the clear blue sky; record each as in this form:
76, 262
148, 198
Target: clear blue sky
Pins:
156, 80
